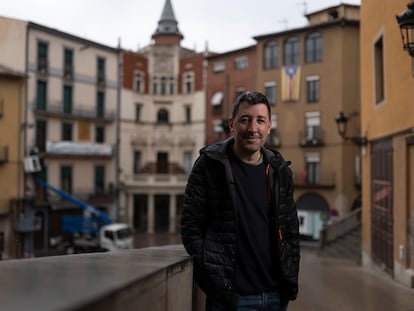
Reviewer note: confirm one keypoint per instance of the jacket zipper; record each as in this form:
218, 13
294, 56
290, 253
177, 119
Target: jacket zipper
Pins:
230, 182
276, 195
283, 165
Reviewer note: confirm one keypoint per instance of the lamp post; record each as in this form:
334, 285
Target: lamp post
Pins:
341, 123
406, 22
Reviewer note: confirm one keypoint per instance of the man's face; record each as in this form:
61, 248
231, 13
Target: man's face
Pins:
250, 128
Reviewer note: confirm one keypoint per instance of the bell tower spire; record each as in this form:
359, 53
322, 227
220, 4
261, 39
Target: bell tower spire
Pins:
167, 32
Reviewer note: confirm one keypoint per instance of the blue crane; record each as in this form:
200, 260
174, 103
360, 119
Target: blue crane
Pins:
91, 223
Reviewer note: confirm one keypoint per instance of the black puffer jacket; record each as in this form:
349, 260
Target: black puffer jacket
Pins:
209, 221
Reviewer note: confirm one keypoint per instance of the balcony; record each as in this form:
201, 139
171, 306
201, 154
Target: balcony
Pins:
151, 175
89, 196
102, 198
57, 110
159, 180
4, 154
325, 180
42, 66
310, 141
68, 72
100, 80
78, 150
273, 140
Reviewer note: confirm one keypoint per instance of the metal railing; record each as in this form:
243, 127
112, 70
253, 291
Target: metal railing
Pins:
341, 227
325, 179
58, 110
79, 148
316, 140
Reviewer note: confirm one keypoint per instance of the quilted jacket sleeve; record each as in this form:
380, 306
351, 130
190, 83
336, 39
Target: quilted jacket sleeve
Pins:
290, 262
193, 216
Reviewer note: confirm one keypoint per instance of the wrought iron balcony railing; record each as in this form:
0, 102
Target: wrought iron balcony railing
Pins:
315, 140
58, 110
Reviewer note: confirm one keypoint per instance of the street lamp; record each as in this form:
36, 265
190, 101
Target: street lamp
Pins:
341, 123
406, 22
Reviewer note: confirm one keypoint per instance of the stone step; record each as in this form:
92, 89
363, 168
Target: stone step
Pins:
347, 246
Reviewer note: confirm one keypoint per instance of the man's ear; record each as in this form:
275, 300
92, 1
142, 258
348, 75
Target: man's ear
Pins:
230, 121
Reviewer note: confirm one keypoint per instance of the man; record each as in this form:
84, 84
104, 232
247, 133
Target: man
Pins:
239, 220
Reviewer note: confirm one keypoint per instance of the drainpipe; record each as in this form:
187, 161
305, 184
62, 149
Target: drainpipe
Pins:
118, 134
28, 237
20, 143
26, 104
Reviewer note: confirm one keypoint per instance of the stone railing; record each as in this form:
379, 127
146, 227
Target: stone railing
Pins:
341, 227
154, 278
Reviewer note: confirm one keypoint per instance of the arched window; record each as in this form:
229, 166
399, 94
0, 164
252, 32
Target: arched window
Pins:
271, 55
163, 116
292, 51
314, 47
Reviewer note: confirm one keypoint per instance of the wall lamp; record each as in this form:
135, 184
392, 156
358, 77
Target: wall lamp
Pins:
406, 22
341, 123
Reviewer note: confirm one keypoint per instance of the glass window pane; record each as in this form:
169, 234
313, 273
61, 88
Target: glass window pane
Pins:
41, 95
99, 179
67, 99
100, 104
271, 55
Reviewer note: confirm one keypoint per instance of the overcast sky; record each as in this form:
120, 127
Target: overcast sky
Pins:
225, 24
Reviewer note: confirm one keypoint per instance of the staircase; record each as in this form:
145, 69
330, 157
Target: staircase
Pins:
342, 239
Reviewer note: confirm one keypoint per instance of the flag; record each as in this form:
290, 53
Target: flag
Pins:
290, 83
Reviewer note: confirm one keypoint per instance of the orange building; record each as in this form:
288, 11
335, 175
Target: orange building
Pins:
311, 74
387, 115
12, 84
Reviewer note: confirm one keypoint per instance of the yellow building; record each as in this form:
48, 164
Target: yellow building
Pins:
387, 115
11, 151
71, 118
310, 74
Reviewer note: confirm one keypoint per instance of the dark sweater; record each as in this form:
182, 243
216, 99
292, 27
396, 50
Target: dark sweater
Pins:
255, 266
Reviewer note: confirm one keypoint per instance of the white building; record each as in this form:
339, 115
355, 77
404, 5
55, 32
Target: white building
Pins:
162, 126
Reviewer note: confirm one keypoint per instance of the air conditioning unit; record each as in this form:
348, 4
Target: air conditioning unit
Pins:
32, 164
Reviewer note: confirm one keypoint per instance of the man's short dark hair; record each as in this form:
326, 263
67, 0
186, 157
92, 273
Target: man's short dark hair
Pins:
252, 98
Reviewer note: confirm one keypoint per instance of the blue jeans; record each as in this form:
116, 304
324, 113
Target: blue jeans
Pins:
269, 301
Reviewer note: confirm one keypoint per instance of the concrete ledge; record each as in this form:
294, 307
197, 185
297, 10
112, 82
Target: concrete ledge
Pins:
156, 278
